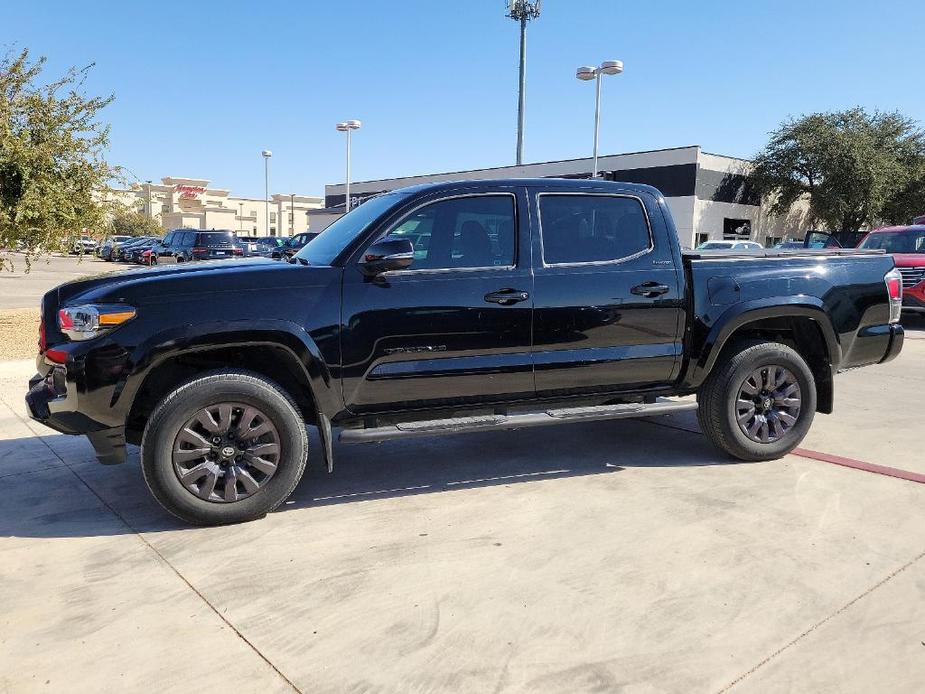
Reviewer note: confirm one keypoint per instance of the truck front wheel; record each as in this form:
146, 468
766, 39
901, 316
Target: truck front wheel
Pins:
759, 402
226, 447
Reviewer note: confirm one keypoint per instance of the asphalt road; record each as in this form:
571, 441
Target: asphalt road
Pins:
622, 556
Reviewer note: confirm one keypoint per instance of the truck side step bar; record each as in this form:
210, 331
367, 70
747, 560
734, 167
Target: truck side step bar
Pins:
457, 425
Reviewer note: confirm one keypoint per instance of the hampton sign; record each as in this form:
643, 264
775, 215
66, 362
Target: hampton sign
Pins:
189, 192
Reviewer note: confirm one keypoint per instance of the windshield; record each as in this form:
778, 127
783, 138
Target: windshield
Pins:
709, 245
330, 243
897, 241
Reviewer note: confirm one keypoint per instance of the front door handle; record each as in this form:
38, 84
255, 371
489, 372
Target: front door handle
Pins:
650, 289
506, 297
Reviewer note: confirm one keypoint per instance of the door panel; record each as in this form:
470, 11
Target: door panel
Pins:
436, 335
607, 296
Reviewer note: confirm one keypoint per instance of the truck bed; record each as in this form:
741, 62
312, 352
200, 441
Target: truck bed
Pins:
721, 254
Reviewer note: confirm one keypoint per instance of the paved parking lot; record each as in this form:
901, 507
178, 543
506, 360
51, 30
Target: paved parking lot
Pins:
624, 556
21, 289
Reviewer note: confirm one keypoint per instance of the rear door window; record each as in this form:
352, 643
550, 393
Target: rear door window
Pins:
587, 228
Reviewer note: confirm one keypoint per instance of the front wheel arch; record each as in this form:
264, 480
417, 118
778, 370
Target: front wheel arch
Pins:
269, 360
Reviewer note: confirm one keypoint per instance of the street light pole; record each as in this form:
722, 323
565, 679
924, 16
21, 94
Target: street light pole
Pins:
587, 73
522, 90
346, 127
522, 11
291, 214
266, 190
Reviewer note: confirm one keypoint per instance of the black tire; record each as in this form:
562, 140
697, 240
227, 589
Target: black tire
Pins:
720, 410
162, 435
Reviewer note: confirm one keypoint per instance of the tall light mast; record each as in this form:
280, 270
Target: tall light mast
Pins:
522, 11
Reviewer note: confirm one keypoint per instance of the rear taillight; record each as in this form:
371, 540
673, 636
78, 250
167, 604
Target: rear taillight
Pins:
894, 289
200, 250
239, 251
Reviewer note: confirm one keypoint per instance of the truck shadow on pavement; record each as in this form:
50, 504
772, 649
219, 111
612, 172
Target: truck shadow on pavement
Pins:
80, 498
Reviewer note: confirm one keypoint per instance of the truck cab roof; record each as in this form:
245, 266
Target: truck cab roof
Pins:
584, 184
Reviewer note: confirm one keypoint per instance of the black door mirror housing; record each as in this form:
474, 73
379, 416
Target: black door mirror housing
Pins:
390, 253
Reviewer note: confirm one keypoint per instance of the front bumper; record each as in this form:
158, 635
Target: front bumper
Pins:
52, 401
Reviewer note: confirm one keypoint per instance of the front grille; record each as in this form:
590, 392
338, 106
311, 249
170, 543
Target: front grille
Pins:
911, 275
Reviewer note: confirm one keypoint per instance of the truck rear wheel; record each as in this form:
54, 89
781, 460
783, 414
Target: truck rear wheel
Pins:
226, 447
759, 403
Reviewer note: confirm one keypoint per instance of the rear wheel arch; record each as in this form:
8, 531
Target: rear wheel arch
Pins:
805, 329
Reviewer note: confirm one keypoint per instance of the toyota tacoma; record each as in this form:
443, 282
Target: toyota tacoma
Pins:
449, 308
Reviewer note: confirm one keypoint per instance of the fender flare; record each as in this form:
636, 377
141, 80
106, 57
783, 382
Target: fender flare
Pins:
741, 314
209, 335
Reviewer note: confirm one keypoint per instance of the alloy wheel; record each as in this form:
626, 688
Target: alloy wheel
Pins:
226, 452
768, 403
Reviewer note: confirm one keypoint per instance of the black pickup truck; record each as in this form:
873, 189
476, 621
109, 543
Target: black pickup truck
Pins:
446, 308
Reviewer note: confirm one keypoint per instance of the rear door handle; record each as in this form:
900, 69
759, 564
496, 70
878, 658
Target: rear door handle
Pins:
650, 289
506, 297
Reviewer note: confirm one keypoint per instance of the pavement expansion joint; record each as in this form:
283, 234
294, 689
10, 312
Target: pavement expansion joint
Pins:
165, 561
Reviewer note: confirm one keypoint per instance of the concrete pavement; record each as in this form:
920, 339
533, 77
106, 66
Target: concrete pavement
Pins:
589, 557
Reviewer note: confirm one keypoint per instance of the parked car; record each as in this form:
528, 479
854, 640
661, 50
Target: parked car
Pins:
266, 246
185, 245
585, 309
907, 246
112, 242
790, 245
294, 245
140, 253
84, 246
124, 250
730, 246
249, 244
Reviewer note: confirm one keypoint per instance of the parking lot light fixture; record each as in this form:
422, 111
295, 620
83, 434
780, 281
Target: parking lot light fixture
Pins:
266, 183
586, 73
346, 127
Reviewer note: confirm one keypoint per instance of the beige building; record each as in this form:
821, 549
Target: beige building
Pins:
190, 203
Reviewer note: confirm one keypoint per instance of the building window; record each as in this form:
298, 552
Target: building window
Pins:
273, 217
253, 213
165, 209
702, 237
272, 231
772, 241
736, 229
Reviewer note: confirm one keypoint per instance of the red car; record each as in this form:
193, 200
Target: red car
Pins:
907, 246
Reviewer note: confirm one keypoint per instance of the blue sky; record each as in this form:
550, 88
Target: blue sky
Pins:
202, 87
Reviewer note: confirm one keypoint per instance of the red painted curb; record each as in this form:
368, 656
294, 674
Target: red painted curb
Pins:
860, 465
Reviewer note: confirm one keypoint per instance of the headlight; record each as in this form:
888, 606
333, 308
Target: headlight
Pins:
88, 321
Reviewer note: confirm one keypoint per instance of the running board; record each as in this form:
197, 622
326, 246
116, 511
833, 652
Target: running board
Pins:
458, 425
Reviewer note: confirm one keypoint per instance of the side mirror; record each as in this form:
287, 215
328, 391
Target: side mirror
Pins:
390, 253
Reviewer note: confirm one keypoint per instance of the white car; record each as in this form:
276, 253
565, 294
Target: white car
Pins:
730, 246
84, 245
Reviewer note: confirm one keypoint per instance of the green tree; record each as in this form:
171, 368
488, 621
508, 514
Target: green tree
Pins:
909, 201
53, 177
852, 166
129, 222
